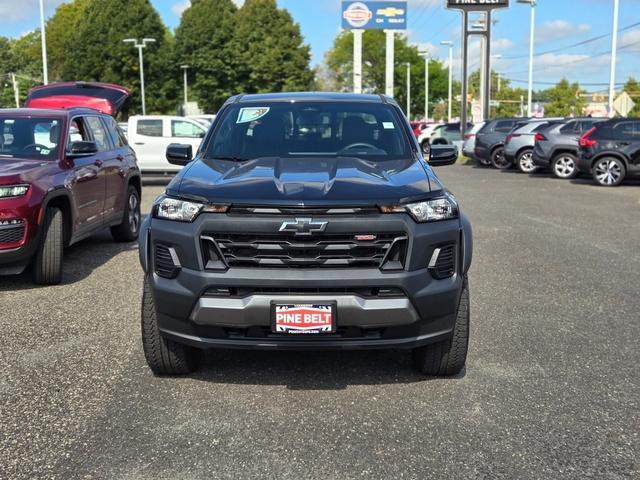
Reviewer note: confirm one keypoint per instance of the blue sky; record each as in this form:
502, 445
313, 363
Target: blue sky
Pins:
559, 24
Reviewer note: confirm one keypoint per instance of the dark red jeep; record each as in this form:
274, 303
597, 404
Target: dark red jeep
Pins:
66, 171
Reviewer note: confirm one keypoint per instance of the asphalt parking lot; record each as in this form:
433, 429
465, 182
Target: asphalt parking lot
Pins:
551, 389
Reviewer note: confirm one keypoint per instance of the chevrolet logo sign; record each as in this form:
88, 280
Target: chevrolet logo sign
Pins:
303, 226
390, 12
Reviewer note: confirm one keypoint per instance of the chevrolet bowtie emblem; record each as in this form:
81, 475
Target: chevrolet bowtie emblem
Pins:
303, 226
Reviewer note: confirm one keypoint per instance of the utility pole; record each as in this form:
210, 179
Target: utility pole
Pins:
408, 91
531, 41
43, 38
184, 69
16, 89
426, 85
449, 43
389, 62
614, 51
140, 46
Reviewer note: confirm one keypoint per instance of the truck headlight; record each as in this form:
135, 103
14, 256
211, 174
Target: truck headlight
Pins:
434, 210
11, 191
178, 210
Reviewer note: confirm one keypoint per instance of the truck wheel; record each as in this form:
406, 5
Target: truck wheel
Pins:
128, 230
164, 356
525, 162
608, 172
449, 356
564, 166
47, 264
499, 161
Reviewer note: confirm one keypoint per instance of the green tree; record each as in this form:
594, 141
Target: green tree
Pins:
565, 100
21, 56
269, 53
99, 53
338, 71
61, 30
202, 42
632, 87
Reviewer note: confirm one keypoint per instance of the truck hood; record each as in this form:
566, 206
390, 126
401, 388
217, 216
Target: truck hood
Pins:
304, 181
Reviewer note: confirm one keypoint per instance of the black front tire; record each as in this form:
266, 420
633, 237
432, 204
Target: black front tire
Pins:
447, 357
564, 166
164, 356
608, 172
47, 264
499, 161
525, 162
128, 230
426, 147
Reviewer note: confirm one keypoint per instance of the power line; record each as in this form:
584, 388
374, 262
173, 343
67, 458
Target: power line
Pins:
579, 44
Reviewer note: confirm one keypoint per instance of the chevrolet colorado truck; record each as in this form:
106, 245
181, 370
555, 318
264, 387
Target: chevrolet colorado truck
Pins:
306, 221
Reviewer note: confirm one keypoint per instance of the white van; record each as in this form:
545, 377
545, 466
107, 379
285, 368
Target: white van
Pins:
150, 135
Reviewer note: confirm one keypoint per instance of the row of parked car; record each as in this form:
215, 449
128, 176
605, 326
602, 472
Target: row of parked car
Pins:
606, 149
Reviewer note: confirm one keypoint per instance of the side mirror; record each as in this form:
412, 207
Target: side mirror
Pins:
179, 154
83, 149
441, 155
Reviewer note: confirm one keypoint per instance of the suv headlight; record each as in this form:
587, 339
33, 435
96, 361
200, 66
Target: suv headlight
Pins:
434, 210
178, 210
11, 191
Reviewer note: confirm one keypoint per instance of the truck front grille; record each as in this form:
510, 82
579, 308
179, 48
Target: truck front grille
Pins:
319, 250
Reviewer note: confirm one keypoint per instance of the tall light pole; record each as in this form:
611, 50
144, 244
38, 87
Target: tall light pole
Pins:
498, 56
531, 40
408, 91
449, 43
43, 38
614, 48
184, 69
140, 46
425, 54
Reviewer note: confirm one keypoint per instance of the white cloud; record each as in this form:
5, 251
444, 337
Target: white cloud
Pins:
558, 29
629, 38
180, 7
15, 11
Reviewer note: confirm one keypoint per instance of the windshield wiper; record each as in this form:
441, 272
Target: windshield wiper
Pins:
230, 158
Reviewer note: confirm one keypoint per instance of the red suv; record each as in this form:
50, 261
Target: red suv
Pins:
66, 171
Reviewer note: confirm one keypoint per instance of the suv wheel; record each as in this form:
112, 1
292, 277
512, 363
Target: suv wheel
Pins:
498, 160
449, 356
127, 231
525, 162
164, 356
47, 265
564, 166
608, 172
426, 148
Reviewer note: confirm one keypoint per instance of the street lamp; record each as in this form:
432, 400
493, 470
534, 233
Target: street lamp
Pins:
449, 43
531, 39
184, 69
408, 91
43, 38
614, 51
140, 46
425, 54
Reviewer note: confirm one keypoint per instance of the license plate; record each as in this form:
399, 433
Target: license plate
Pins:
303, 318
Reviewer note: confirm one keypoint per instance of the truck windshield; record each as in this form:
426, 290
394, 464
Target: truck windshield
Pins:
309, 129
29, 137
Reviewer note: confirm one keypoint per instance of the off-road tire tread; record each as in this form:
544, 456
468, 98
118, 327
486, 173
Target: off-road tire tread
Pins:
47, 265
164, 356
447, 357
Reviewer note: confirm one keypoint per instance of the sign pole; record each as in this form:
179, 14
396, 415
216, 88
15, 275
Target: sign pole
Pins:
487, 65
465, 72
357, 61
389, 67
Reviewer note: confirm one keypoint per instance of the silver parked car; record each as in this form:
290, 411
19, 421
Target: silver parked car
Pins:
518, 146
470, 139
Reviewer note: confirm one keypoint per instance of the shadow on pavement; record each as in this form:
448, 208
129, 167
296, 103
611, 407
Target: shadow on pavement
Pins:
310, 370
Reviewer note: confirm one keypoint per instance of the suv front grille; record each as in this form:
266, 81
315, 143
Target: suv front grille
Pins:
11, 232
320, 250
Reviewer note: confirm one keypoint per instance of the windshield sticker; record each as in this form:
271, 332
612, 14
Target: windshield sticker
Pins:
388, 125
250, 114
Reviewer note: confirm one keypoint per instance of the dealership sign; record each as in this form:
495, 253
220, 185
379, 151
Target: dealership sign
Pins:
477, 5
389, 15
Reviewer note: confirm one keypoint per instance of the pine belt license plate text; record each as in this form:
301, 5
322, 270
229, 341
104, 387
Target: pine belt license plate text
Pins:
304, 318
